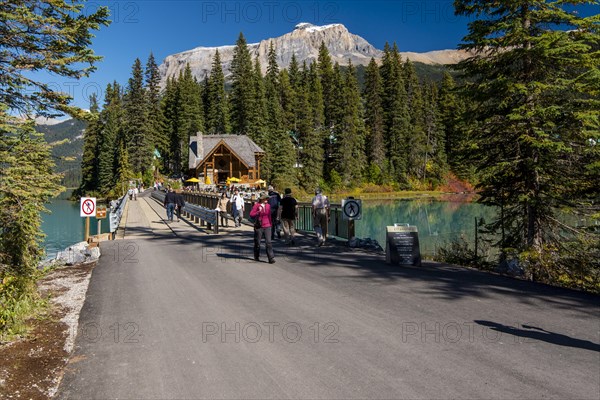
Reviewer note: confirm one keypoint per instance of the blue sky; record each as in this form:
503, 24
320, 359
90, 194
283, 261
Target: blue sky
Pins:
167, 27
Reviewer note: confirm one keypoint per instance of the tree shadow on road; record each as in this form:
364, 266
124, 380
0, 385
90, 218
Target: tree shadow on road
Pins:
533, 332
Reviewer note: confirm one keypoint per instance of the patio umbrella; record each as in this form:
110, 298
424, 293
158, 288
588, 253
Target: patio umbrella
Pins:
234, 179
193, 180
260, 182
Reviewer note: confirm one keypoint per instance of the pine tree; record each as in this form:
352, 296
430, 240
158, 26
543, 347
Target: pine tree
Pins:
350, 157
111, 117
242, 88
156, 119
27, 182
89, 159
326, 76
417, 140
451, 110
139, 140
435, 163
397, 117
374, 118
189, 116
257, 115
535, 84
312, 156
170, 112
217, 118
49, 36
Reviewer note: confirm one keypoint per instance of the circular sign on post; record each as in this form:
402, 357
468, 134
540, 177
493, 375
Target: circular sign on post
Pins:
351, 209
88, 207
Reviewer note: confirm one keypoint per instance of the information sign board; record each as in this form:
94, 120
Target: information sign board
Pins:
402, 245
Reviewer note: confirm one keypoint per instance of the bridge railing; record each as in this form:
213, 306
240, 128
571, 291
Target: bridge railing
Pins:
337, 226
202, 214
115, 215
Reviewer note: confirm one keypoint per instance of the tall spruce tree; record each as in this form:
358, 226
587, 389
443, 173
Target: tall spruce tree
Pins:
257, 115
217, 118
282, 155
137, 128
89, 159
435, 163
242, 87
451, 110
535, 84
170, 112
326, 75
417, 140
111, 117
156, 120
312, 156
350, 157
374, 117
397, 116
189, 116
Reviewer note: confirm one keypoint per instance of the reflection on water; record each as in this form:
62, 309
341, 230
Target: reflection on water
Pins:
64, 227
439, 222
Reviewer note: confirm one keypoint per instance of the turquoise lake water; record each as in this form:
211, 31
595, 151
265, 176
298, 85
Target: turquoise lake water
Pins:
439, 222
64, 227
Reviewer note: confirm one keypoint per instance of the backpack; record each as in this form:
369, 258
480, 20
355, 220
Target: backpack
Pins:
274, 201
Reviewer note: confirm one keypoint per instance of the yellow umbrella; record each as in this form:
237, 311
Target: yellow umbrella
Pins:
193, 180
260, 182
207, 180
234, 179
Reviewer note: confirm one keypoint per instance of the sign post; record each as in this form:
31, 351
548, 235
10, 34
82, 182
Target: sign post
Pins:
351, 211
87, 209
100, 215
402, 245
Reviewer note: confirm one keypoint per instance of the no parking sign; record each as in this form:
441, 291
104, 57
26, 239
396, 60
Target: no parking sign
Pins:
87, 207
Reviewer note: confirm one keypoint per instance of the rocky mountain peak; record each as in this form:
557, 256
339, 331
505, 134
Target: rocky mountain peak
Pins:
303, 42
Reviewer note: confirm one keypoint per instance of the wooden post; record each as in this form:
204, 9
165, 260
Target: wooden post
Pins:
99, 227
86, 233
350, 229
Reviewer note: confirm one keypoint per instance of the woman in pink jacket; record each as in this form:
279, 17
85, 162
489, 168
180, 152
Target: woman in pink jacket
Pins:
261, 212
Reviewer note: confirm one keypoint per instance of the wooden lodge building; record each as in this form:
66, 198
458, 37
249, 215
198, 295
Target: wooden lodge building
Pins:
221, 157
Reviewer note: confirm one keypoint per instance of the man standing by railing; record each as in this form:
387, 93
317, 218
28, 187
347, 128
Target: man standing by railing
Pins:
237, 207
320, 214
288, 213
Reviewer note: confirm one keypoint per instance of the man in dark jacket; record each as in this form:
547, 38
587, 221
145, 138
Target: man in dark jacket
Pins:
274, 201
169, 203
179, 204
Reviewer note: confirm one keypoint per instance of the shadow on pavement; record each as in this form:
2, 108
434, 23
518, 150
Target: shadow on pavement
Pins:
543, 335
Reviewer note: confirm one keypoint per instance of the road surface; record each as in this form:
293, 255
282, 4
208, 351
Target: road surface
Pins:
173, 312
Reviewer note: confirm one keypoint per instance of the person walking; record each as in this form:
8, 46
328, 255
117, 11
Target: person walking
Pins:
320, 214
179, 204
135, 193
222, 207
274, 200
261, 212
288, 214
237, 208
169, 203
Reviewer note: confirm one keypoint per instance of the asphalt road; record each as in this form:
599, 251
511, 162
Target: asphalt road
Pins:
177, 313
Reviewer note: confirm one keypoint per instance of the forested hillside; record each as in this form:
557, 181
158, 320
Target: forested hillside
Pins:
66, 139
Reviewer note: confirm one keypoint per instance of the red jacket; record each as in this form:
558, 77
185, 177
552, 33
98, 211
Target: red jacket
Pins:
262, 212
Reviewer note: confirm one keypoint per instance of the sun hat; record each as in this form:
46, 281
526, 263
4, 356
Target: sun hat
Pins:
263, 197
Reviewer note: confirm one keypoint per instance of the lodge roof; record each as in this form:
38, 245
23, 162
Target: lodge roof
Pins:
241, 145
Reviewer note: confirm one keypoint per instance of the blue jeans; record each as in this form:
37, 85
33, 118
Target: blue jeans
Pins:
170, 208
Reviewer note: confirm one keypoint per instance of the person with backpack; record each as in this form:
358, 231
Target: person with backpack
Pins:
288, 214
274, 201
261, 215
320, 214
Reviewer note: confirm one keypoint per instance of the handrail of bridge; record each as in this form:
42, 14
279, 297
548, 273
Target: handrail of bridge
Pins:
199, 213
116, 213
337, 226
